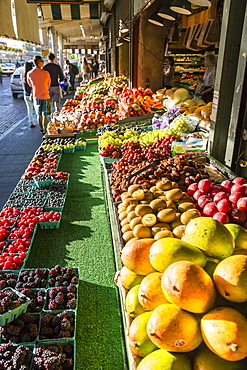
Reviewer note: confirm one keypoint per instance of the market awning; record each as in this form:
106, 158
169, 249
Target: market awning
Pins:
27, 21
57, 12
6, 25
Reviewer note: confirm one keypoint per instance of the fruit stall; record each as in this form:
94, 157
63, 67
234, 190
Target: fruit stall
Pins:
178, 222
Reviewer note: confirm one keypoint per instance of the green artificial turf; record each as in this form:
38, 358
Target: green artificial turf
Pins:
84, 240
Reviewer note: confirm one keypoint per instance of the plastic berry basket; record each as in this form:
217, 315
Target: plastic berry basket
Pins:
31, 346
48, 208
11, 315
80, 147
37, 287
58, 339
45, 308
36, 290
43, 183
77, 271
51, 342
50, 224
69, 150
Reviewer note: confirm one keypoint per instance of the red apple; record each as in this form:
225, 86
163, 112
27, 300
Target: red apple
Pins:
198, 194
236, 188
203, 200
237, 216
210, 209
224, 206
242, 204
222, 217
239, 180
219, 196
205, 185
214, 191
234, 197
226, 186
192, 188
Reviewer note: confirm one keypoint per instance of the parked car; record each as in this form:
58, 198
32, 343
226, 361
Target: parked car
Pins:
16, 83
8, 68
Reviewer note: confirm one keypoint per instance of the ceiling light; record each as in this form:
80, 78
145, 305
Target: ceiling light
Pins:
155, 19
166, 13
123, 27
181, 7
201, 2
119, 41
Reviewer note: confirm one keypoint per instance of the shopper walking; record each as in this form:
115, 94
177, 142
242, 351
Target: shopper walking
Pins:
169, 73
40, 82
205, 87
95, 68
86, 69
56, 73
69, 67
1, 74
28, 97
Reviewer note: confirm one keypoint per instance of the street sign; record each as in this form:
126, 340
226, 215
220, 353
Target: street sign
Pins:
80, 2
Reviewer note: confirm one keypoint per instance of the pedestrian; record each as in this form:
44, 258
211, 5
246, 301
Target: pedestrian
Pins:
56, 73
86, 68
71, 74
205, 87
95, 68
169, 73
1, 74
40, 82
28, 97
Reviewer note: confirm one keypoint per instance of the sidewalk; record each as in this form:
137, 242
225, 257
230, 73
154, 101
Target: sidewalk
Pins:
17, 149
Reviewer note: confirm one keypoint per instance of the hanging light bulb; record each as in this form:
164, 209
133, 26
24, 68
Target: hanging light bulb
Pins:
181, 7
166, 13
155, 19
123, 27
119, 41
201, 2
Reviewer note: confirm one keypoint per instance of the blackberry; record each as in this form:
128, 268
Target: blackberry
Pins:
47, 331
13, 305
74, 280
70, 295
65, 324
33, 330
3, 284
51, 281
52, 293
65, 283
52, 305
13, 330
71, 288
47, 317
5, 302
71, 303
57, 330
64, 334
68, 364
27, 318
26, 337
19, 323
43, 283
68, 350
59, 278
10, 282
7, 355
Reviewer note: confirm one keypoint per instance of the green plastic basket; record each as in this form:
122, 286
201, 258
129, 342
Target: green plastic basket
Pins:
50, 225
60, 339
48, 208
42, 184
80, 147
9, 316
69, 150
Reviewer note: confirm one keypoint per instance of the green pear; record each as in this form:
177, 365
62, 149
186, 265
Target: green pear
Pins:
211, 236
139, 341
132, 304
207, 360
164, 360
239, 234
210, 267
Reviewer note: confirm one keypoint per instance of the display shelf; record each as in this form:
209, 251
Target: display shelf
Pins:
130, 360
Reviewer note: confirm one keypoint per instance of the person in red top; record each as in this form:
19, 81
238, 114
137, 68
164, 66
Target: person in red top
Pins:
40, 82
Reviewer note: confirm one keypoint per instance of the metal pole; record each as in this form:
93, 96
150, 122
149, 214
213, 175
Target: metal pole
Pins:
131, 44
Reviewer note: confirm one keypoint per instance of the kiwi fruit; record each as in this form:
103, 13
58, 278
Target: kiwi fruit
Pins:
138, 194
140, 231
124, 222
125, 228
131, 215
171, 204
158, 193
189, 215
135, 221
153, 189
133, 188
183, 207
121, 208
164, 184
148, 196
130, 201
163, 234
143, 209
125, 195
163, 225
186, 198
122, 215
179, 231
128, 235
149, 220
174, 185
167, 215
157, 204
175, 224
174, 194
130, 208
